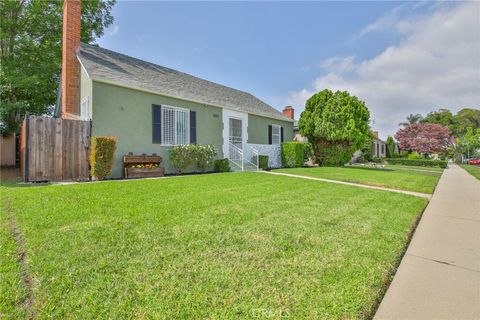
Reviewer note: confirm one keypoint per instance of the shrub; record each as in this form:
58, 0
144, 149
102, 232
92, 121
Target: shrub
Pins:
263, 162
182, 156
101, 156
334, 155
221, 165
307, 151
414, 156
377, 160
418, 162
292, 154
203, 155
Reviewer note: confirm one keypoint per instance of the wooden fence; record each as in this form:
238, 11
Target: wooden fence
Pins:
7, 151
54, 149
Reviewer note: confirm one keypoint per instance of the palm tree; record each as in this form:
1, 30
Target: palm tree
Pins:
411, 119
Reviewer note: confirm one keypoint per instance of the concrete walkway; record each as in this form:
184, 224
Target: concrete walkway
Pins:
439, 276
412, 193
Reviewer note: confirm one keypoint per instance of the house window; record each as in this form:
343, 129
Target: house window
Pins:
276, 134
383, 149
84, 110
175, 125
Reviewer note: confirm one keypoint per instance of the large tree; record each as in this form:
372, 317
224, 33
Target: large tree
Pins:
411, 119
423, 137
31, 52
458, 123
443, 117
337, 124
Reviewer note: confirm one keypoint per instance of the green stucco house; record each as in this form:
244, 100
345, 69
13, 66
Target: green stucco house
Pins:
150, 108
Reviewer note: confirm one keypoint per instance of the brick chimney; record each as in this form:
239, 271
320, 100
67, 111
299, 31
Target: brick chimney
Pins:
289, 112
70, 64
375, 134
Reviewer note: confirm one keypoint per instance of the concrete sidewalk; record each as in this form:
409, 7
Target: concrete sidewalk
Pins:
439, 276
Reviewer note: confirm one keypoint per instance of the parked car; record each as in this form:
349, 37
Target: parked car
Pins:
475, 162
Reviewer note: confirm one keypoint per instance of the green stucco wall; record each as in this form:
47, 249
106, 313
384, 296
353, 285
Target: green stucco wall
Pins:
127, 114
258, 129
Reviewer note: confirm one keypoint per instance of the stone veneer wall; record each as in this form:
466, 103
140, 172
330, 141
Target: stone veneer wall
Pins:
272, 151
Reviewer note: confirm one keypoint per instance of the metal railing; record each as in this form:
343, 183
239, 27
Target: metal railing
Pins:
239, 157
254, 153
235, 155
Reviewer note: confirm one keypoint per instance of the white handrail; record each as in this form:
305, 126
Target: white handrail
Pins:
237, 156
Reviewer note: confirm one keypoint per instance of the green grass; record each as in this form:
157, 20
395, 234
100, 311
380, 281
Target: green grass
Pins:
222, 246
401, 179
473, 170
413, 168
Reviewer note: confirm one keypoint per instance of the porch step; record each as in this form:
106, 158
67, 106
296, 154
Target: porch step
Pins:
246, 167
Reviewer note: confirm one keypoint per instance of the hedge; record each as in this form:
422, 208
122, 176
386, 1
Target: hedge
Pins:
221, 165
101, 156
292, 154
183, 156
418, 162
263, 162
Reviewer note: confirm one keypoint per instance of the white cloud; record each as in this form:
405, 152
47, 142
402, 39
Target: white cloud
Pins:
113, 30
436, 65
338, 64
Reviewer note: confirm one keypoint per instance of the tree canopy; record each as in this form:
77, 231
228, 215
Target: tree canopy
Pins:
336, 122
458, 123
31, 53
423, 137
411, 119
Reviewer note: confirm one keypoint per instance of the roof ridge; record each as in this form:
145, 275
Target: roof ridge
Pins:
120, 68
94, 46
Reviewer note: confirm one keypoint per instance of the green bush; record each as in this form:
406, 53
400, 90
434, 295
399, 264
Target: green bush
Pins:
418, 162
334, 155
307, 151
377, 160
263, 162
182, 156
414, 156
221, 165
101, 156
292, 154
203, 155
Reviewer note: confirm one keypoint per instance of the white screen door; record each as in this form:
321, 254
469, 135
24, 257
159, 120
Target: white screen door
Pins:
235, 134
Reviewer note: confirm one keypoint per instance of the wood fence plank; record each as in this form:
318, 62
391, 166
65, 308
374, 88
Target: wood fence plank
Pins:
58, 149
32, 141
57, 153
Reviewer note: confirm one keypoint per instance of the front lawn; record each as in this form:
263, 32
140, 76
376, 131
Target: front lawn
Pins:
473, 170
402, 179
223, 246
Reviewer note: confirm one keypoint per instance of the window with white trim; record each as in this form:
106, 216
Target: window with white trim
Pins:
276, 134
175, 125
84, 110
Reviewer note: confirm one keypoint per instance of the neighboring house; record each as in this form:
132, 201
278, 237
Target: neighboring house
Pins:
296, 133
379, 148
151, 108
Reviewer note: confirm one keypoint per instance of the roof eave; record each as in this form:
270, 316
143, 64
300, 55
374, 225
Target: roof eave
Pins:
182, 98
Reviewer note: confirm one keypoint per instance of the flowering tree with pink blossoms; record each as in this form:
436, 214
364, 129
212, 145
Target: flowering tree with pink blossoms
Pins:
423, 137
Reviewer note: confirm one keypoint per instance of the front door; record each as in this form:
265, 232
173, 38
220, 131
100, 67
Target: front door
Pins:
235, 132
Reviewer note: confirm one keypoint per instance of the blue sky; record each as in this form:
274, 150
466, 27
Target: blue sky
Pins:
282, 52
